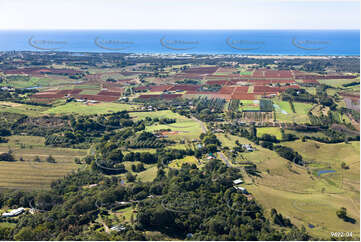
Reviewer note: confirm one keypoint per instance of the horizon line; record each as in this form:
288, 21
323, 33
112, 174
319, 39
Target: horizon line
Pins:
167, 29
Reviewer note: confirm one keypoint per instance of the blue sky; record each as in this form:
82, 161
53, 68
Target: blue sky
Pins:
179, 14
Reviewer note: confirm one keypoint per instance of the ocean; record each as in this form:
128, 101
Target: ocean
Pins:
237, 42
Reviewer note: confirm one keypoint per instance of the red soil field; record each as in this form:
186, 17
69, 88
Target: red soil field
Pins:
113, 87
94, 77
61, 71
218, 95
242, 89
161, 96
67, 92
276, 74
101, 98
181, 76
141, 88
185, 88
233, 90
267, 82
244, 96
160, 88
108, 93
226, 90
266, 89
258, 73
222, 82
272, 73
232, 76
124, 80
200, 92
260, 82
226, 69
52, 95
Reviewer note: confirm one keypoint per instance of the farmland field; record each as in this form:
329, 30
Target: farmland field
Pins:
188, 159
29, 174
89, 109
270, 130
30, 110
165, 168
186, 128
249, 105
21, 81
299, 195
285, 113
337, 82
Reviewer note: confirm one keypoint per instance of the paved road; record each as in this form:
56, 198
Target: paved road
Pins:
224, 158
106, 228
203, 127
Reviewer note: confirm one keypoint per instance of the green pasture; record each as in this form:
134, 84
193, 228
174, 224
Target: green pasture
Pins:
187, 128
300, 195
285, 113
270, 130
178, 163
89, 109
337, 83
30, 110
23, 81
249, 105
32, 175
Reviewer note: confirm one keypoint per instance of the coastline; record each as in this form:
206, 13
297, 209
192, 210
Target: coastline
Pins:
185, 55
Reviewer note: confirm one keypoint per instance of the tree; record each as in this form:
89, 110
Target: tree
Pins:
25, 234
209, 138
5, 132
5, 233
267, 144
116, 155
344, 166
342, 213
211, 148
253, 131
50, 159
134, 168
7, 157
3, 140
130, 177
77, 160
140, 167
